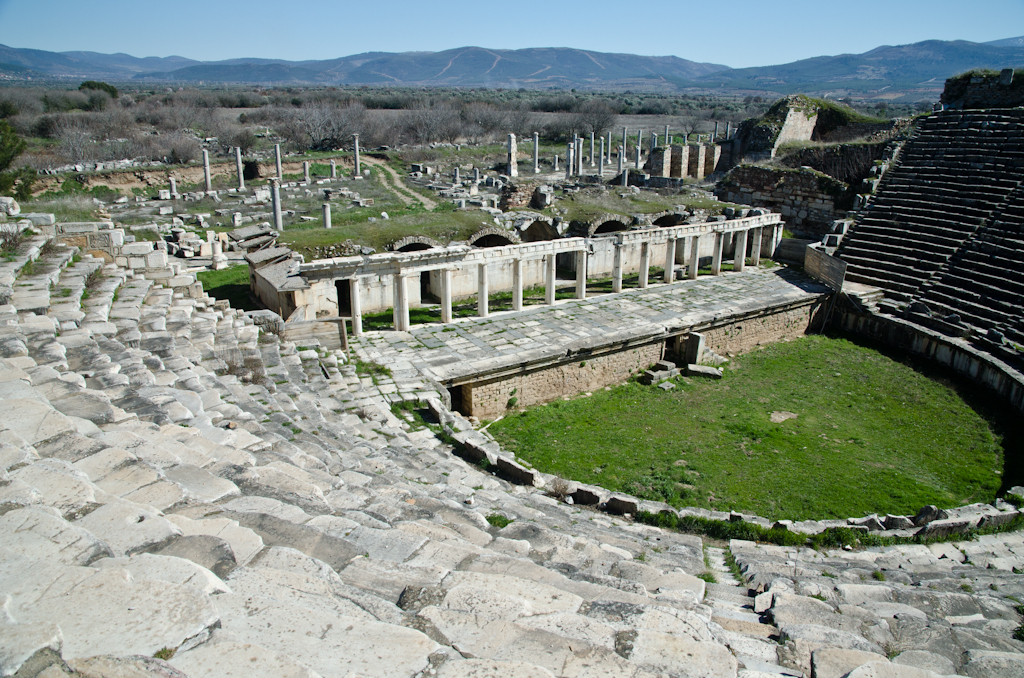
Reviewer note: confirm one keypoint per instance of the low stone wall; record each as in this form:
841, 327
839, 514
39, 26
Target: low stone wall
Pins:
582, 373
980, 366
490, 399
771, 326
806, 198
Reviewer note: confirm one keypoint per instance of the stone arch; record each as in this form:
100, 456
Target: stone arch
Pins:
669, 219
493, 237
413, 243
538, 231
610, 226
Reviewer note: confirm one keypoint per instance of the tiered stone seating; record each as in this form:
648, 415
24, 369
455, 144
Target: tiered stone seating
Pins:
952, 178
173, 482
984, 282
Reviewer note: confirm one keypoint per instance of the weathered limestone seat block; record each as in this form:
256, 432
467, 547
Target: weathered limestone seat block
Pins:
175, 482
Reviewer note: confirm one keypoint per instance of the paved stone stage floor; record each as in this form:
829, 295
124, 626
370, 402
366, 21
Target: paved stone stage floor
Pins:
475, 345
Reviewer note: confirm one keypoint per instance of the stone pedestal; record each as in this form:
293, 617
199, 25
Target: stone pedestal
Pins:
220, 261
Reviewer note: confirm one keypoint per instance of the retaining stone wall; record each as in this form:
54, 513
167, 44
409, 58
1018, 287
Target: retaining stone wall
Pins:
489, 400
797, 194
747, 334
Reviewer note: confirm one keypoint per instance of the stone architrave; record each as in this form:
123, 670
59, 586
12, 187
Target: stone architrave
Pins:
513, 151
238, 168
206, 171
536, 153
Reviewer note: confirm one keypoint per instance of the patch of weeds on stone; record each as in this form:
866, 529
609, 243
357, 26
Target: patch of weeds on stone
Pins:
498, 520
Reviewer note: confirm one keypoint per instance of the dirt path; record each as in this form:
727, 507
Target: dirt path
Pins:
389, 176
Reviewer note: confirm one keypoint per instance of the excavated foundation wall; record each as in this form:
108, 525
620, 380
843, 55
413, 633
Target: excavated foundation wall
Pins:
490, 399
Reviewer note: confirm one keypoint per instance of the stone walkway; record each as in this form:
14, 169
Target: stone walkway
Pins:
474, 345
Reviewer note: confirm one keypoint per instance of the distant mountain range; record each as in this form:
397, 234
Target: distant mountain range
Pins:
913, 70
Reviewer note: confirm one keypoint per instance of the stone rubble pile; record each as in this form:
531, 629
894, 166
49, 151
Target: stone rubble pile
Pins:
183, 494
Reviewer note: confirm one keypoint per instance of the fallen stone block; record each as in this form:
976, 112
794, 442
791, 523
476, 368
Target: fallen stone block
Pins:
621, 504
694, 370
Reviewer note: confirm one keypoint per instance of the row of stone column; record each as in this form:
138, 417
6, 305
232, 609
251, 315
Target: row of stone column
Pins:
693, 265
401, 290
239, 170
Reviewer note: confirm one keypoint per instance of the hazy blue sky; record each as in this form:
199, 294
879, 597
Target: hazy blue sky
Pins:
736, 33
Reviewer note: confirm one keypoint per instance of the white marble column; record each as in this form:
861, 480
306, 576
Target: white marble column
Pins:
536, 153
716, 255
592, 149
482, 292
670, 260
446, 295
645, 263
355, 303
206, 171
517, 284
327, 214
755, 246
617, 269
238, 168
355, 150
277, 160
550, 279
581, 274
334, 169
739, 256
305, 172
275, 200
401, 313
694, 266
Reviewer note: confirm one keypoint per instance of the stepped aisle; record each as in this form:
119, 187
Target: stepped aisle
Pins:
184, 494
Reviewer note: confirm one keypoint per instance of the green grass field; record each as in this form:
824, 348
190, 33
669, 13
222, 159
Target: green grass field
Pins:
872, 434
231, 284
